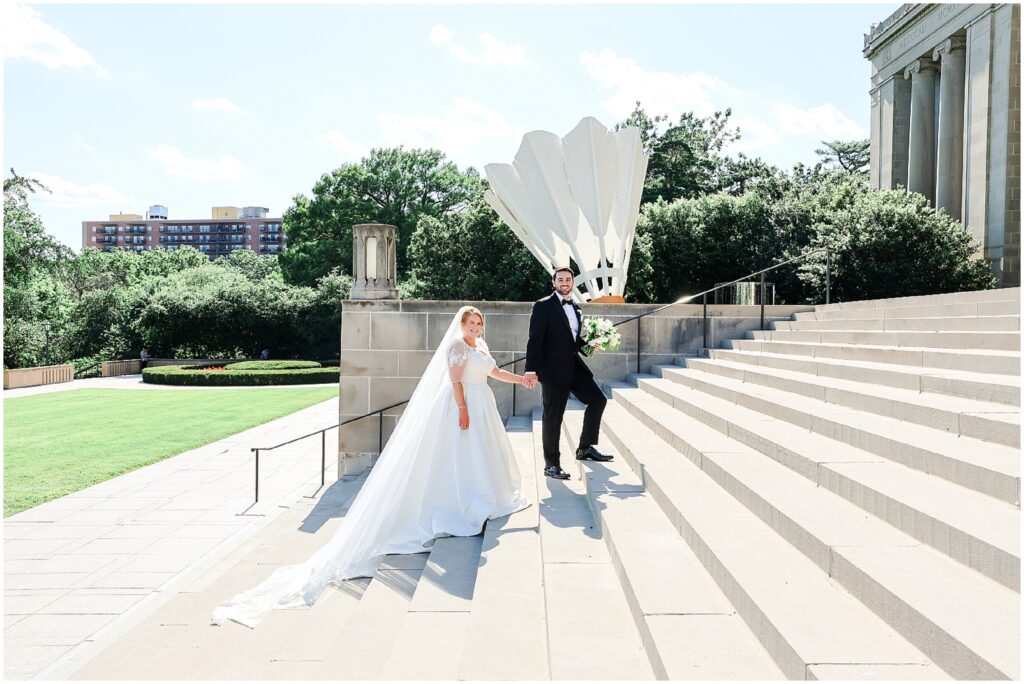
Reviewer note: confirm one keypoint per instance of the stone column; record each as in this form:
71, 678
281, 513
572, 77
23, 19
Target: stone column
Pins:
921, 169
374, 267
890, 161
950, 160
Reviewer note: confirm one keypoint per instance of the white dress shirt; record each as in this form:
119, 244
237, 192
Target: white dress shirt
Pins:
570, 314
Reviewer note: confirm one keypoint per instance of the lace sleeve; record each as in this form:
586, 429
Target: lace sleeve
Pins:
458, 355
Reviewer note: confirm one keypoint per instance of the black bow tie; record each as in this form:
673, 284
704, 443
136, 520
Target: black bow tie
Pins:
566, 301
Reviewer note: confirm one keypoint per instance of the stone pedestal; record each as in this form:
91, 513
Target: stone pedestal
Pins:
374, 257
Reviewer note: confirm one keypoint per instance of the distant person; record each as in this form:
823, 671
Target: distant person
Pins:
143, 358
265, 355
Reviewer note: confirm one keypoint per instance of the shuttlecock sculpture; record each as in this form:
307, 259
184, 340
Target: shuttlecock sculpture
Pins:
575, 197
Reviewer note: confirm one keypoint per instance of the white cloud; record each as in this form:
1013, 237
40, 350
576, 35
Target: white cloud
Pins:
81, 142
177, 164
65, 193
764, 121
494, 52
439, 35
337, 140
217, 103
825, 121
456, 131
27, 36
659, 91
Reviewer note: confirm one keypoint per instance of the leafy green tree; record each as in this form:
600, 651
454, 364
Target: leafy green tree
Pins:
892, 243
686, 159
852, 156
34, 290
472, 255
394, 186
696, 243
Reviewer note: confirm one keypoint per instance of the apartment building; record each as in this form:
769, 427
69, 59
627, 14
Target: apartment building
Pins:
228, 229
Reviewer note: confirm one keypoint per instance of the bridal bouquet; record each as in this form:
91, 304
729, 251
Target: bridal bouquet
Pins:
602, 331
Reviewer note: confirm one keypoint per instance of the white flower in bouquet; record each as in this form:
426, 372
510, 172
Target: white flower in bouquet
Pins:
599, 334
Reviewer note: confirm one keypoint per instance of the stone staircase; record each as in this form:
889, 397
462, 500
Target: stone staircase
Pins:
535, 596
837, 497
846, 486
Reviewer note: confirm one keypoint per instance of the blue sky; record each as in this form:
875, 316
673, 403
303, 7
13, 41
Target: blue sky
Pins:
117, 107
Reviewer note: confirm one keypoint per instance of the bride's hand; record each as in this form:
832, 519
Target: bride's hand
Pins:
463, 418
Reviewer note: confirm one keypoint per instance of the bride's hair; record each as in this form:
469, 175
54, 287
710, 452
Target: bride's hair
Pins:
470, 311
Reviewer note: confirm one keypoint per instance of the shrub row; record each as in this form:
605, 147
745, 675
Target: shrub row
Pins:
271, 365
197, 375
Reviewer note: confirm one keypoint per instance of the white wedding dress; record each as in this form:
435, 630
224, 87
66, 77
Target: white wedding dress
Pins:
432, 480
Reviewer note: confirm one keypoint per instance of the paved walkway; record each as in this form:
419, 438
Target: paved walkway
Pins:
83, 569
127, 382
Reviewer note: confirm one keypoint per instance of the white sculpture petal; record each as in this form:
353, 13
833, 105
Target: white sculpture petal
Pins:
576, 197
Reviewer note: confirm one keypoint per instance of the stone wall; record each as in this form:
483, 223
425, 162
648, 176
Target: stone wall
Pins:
385, 346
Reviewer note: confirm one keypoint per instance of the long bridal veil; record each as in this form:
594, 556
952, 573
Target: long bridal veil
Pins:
390, 494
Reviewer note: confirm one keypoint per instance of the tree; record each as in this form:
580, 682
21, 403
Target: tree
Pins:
892, 243
393, 186
852, 156
686, 159
696, 243
472, 255
34, 288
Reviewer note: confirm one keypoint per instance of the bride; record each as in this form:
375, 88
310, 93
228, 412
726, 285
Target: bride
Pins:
447, 468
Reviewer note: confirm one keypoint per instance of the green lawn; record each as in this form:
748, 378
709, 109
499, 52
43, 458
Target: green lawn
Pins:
61, 442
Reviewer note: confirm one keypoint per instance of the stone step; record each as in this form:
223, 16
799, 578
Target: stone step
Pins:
967, 624
1007, 294
800, 615
986, 421
978, 386
978, 531
590, 631
430, 642
998, 308
506, 637
975, 360
361, 648
689, 629
984, 467
972, 323
1001, 341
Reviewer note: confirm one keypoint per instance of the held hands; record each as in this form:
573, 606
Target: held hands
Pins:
529, 380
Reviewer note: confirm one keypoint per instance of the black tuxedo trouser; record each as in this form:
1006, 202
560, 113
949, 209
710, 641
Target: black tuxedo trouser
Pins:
555, 397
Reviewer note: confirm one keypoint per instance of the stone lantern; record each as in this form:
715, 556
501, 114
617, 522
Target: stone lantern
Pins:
374, 267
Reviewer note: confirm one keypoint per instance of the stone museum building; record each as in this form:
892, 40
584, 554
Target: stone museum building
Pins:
228, 229
945, 117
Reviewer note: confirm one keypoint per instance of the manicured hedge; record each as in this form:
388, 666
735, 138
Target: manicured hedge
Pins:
205, 375
271, 365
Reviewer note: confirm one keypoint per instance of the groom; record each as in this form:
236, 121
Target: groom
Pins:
552, 356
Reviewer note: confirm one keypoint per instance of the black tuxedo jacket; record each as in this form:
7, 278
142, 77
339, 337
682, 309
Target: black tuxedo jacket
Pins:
551, 351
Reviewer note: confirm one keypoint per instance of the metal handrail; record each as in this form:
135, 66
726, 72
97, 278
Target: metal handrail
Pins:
88, 368
704, 295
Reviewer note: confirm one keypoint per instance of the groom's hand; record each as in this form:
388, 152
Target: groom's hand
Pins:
530, 380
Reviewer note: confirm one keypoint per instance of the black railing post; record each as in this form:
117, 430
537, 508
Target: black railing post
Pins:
323, 455
638, 345
257, 475
705, 326
828, 275
514, 394
380, 432
762, 301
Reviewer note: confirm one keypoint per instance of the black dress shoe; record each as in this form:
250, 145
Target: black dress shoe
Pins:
557, 473
591, 454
